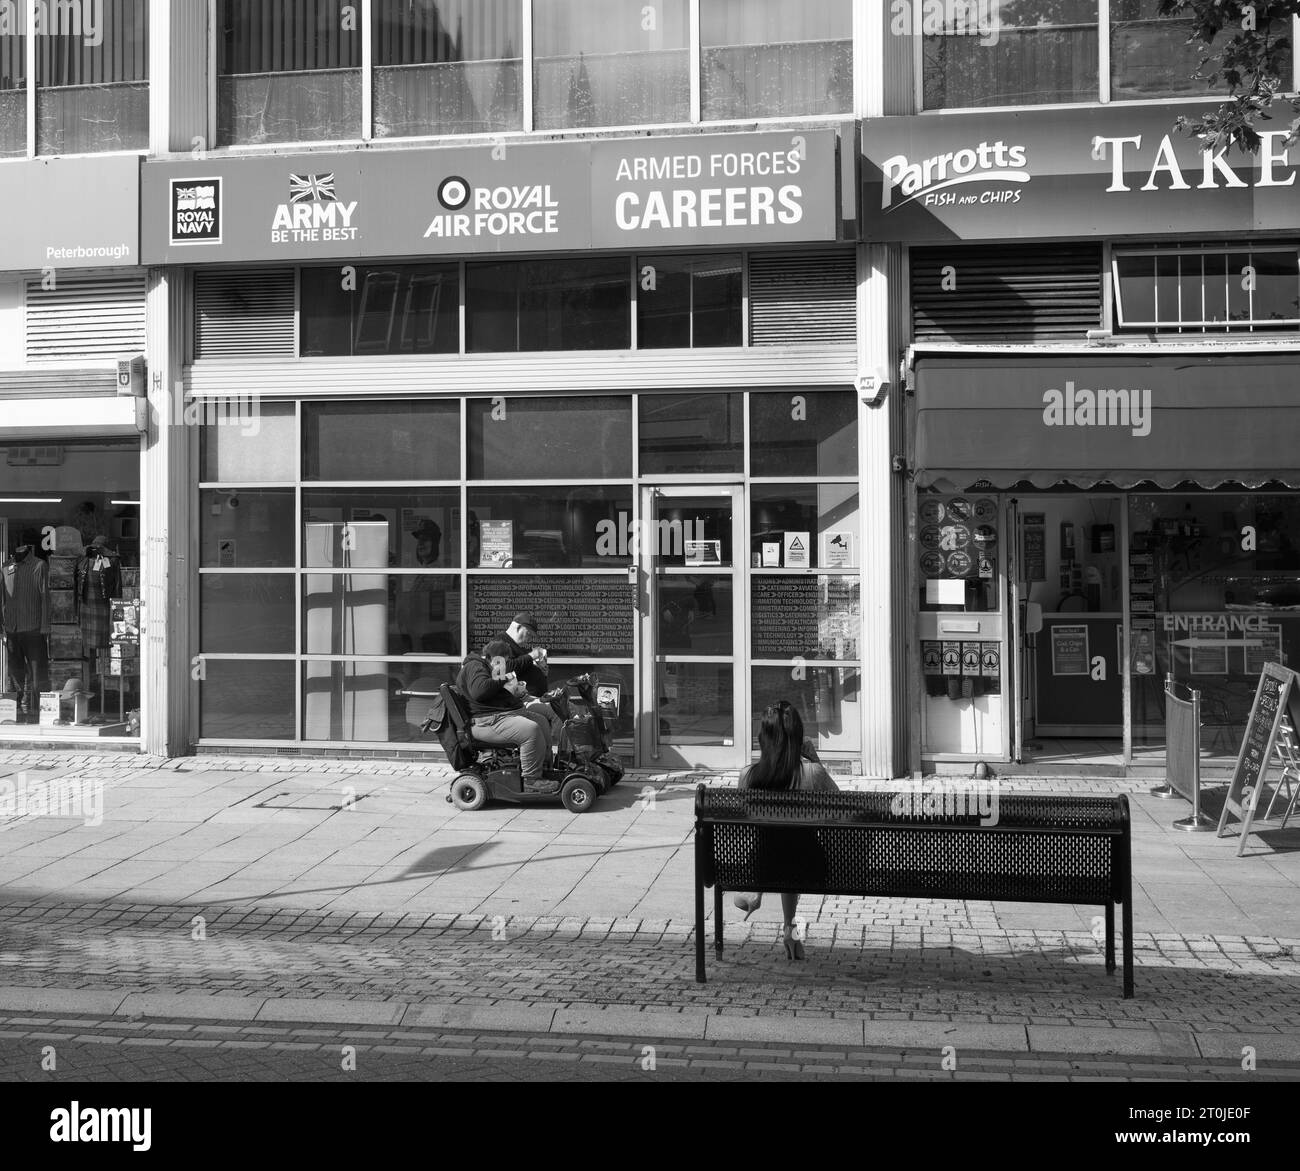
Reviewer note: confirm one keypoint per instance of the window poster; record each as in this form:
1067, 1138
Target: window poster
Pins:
1208, 654
496, 543
837, 550
1263, 646
1069, 650
796, 551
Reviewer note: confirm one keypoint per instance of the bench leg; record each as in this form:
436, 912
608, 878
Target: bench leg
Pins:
717, 917
699, 930
1128, 947
1110, 937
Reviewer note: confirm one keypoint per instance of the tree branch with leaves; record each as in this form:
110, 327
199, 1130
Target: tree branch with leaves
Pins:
1248, 52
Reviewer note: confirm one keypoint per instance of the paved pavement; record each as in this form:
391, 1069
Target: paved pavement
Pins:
258, 892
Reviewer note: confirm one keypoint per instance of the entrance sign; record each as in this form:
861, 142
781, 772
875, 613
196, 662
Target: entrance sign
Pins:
1276, 692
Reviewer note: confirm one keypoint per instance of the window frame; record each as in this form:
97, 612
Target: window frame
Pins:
32, 88
1103, 77
860, 38
1199, 326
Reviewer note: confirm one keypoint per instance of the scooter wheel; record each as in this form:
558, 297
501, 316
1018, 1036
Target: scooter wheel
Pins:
468, 792
578, 794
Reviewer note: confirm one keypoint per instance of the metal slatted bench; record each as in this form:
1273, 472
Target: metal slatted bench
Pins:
1042, 849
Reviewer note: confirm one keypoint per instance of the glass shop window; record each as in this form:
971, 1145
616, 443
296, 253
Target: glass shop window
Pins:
382, 309
568, 439
689, 301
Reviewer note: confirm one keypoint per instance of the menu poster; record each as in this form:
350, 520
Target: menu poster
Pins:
1275, 694
1264, 646
1070, 650
1209, 655
1034, 538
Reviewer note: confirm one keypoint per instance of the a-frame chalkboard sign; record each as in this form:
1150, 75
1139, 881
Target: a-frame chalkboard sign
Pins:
1278, 690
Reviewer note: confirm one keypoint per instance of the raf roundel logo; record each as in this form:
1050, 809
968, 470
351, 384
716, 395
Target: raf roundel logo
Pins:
454, 192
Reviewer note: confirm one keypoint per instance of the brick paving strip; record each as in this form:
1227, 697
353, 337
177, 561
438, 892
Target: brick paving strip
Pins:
24, 1037
1029, 995
883, 976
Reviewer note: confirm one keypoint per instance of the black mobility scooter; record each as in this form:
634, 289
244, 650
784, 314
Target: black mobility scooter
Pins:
584, 765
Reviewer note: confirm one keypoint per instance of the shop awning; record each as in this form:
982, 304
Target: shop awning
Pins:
67, 418
1118, 418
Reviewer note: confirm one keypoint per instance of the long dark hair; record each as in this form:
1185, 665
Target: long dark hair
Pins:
780, 747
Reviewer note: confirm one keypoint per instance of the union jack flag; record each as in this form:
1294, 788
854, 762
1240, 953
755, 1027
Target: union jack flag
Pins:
312, 188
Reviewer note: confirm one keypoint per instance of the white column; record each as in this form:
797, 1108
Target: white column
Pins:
883, 645
168, 506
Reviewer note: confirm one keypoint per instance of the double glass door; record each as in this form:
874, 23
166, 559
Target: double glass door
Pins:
692, 561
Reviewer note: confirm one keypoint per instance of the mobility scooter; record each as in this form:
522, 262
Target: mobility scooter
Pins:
584, 763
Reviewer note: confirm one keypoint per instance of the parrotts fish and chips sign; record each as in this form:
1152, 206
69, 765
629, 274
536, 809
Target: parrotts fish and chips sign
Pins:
1100, 171
700, 189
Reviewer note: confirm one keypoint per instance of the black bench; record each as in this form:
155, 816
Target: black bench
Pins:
1042, 849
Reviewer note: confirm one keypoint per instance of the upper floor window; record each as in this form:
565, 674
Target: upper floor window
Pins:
1023, 52
287, 71
446, 66
292, 71
90, 72
1207, 290
771, 58
13, 95
610, 63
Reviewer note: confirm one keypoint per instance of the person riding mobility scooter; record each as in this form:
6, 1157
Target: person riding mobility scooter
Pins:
584, 764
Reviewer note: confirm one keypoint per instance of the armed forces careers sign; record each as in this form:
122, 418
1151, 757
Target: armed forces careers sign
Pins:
537, 197
714, 189
1121, 170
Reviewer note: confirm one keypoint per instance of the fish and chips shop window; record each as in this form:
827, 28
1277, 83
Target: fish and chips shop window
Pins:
1214, 594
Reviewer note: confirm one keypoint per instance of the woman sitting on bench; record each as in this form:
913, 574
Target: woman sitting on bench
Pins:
786, 762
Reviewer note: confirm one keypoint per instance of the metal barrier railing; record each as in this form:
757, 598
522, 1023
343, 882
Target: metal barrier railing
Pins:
1183, 753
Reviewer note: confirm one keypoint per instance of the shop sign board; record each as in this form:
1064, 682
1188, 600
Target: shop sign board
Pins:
1275, 696
1126, 418
70, 213
695, 190
1088, 171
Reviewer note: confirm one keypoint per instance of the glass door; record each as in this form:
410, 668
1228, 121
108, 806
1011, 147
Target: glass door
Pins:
693, 681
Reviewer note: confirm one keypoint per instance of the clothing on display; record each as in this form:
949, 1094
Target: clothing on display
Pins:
98, 579
25, 614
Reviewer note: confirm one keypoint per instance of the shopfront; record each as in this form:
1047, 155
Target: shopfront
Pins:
72, 309
351, 550
1088, 524
620, 393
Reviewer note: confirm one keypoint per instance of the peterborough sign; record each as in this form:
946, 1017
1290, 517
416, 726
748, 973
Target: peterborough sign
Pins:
1114, 171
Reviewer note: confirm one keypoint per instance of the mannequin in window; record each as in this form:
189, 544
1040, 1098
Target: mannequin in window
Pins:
25, 614
98, 579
